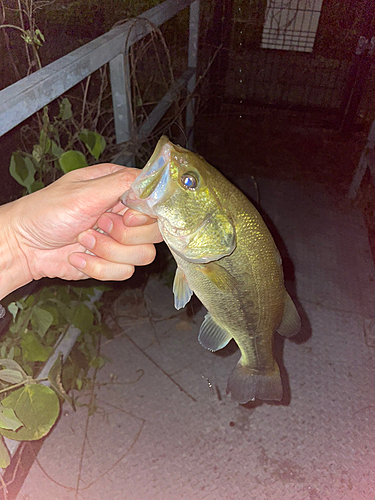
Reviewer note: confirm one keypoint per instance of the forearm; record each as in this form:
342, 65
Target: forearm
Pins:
14, 270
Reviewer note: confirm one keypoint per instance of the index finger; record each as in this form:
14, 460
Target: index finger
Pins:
101, 170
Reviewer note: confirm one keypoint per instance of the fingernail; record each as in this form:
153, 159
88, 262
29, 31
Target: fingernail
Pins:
105, 223
77, 261
87, 240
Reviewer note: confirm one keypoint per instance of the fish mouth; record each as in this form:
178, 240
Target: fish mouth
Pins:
150, 187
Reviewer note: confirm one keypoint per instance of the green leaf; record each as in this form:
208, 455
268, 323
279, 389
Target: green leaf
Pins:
41, 320
69, 376
71, 160
55, 313
11, 376
28, 367
45, 118
4, 455
33, 350
79, 359
35, 186
65, 109
98, 362
56, 151
12, 365
37, 406
22, 169
44, 141
21, 317
30, 301
39, 36
94, 142
54, 376
79, 384
13, 309
8, 419
82, 318
27, 37
37, 152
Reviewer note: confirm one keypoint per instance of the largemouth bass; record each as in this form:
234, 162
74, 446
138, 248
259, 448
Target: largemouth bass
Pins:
225, 255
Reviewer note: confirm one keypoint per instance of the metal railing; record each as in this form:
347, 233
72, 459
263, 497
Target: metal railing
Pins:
25, 97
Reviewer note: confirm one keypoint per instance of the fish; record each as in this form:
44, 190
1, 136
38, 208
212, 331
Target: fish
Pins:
226, 256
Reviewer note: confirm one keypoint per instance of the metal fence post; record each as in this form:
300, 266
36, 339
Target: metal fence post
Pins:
121, 96
367, 160
192, 63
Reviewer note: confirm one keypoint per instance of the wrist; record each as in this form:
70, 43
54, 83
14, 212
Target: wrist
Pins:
14, 269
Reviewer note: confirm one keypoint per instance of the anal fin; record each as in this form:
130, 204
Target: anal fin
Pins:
291, 323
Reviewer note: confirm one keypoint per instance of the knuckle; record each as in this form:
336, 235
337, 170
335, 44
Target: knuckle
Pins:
124, 235
98, 272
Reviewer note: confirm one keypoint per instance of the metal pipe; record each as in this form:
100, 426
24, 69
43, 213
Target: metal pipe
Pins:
192, 63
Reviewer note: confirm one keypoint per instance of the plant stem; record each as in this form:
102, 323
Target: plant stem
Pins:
13, 26
20, 384
23, 29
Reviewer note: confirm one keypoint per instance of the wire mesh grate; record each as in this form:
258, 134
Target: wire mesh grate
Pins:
291, 25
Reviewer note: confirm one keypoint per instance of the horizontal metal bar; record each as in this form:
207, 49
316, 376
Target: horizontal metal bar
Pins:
25, 97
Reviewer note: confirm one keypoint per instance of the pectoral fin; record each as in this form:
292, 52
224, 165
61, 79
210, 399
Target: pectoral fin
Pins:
211, 335
182, 291
291, 323
219, 276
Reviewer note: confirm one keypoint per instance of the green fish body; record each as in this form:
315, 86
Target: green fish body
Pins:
226, 255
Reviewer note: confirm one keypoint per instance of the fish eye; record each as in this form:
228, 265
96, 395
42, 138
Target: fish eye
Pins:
189, 181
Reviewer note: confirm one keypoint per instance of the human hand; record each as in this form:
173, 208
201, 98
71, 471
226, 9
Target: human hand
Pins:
53, 227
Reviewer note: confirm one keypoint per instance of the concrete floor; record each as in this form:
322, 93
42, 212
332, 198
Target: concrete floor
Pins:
164, 429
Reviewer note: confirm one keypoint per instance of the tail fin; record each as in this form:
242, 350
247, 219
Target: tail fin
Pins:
245, 384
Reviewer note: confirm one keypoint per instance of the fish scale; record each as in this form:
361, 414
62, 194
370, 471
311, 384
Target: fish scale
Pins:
226, 255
